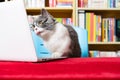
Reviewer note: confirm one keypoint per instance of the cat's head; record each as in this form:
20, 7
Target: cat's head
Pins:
44, 24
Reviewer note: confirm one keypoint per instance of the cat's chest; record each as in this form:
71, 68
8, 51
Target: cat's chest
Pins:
60, 37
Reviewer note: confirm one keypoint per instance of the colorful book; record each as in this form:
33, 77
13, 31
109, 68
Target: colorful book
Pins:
99, 28
117, 29
64, 3
52, 3
97, 3
81, 19
91, 27
88, 24
117, 3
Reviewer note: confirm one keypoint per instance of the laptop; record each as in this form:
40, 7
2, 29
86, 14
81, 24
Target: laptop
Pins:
17, 42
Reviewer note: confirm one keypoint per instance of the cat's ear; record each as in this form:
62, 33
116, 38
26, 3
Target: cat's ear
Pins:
44, 13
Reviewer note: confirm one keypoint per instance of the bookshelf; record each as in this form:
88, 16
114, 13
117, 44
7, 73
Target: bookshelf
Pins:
104, 46
72, 12
57, 12
105, 13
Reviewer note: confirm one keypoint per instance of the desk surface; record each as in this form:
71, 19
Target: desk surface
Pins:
69, 69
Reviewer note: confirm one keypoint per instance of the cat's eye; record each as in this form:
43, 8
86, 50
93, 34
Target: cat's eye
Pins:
36, 24
40, 22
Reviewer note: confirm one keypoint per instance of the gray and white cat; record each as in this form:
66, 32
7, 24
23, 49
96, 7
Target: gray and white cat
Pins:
61, 40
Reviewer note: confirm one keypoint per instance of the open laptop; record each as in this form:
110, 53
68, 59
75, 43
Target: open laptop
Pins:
17, 42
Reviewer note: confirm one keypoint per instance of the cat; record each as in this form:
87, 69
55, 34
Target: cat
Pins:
60, 39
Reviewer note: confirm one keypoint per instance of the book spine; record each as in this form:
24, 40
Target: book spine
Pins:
88, 24
91, 27
85, 3
97, 3
118, 29
81, 19
99, 28
64, 3
52, 3
114, 28
94, 28
117, 3
81, 3
34, 3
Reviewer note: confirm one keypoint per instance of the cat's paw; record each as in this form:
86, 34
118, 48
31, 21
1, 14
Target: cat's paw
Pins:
56, 55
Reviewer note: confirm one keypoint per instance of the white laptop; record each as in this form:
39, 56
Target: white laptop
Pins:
16, 42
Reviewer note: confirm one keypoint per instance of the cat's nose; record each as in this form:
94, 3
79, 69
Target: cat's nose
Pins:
35, 28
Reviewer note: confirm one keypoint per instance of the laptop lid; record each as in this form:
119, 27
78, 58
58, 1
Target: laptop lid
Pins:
16, 43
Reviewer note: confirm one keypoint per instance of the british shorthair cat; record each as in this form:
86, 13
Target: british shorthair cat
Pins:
61, 40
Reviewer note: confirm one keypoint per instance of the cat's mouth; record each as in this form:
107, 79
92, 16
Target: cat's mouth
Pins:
39, 32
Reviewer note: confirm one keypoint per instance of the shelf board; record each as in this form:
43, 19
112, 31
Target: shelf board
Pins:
99, 9
63, 11
105, 12
104, 46
102, 43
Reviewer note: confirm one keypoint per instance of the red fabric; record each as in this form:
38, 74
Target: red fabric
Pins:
66, 69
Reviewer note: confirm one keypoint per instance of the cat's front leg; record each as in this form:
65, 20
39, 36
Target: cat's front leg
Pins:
56, 55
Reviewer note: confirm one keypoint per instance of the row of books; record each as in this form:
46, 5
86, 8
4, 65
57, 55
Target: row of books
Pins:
61, 20
60, 3
100, 29
99, 3
34, 3
104, 53
51, 3
65, 20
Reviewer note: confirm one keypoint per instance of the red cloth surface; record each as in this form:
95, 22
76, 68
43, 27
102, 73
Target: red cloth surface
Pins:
66, 69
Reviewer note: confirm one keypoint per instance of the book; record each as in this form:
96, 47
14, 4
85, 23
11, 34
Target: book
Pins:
87, 22
52, 3
98, 54
97, 3
83, 3
112, 4
34, 3
117, 3
81, 19
91, 27
65, 20
117, 29
94, 53
99, 28
64, 3
107, 54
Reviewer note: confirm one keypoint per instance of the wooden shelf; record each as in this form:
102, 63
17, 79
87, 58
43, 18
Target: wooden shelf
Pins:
104, 46
105, 12
101, 43
65, 12
98, 9
72, 12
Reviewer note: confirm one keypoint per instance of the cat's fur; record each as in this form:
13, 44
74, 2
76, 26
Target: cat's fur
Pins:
61, 40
